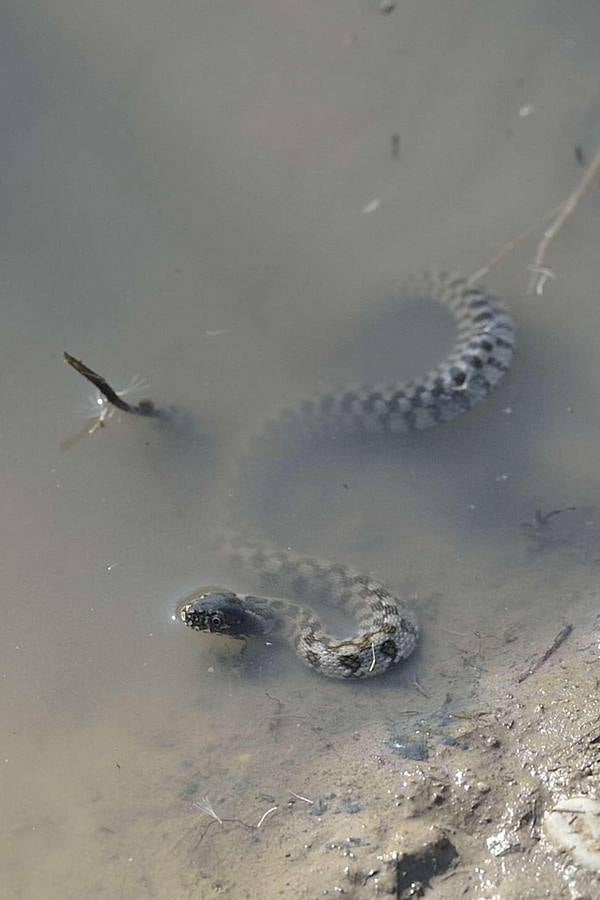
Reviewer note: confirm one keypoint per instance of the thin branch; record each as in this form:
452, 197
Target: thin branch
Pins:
566, 210
509, 246
300, 797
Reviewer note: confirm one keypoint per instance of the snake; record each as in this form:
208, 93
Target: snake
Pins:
385, 626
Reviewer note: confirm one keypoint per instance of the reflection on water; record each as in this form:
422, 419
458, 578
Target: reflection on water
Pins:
206, 194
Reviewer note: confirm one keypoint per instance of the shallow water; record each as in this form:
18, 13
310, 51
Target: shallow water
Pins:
206, 194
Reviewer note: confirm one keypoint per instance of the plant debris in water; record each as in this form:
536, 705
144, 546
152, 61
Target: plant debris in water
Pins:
143, 408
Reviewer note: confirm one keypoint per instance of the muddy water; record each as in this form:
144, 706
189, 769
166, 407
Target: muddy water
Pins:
211, 195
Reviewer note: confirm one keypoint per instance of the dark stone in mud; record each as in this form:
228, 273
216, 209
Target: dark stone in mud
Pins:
414, 871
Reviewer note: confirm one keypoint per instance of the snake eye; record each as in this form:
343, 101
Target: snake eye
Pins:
216, 621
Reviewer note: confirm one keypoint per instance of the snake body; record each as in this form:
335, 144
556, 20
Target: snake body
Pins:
387, 630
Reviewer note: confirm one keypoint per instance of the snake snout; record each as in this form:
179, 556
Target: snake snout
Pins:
212, 609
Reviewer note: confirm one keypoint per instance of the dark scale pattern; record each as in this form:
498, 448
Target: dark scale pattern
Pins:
389, 648
313, 659
351, 662
408, 626
481, 356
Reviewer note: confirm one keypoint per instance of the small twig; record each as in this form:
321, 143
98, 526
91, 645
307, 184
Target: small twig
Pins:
202, 835
509, 246
420, 688
540, 519
186, 833
566, 210
474, 714
560, 638
143, 408
277, 701
562, 809
264, 816
206, 806
544, 274
543, 518
300, 797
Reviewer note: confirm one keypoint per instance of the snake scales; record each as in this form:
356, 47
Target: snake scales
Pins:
387, 631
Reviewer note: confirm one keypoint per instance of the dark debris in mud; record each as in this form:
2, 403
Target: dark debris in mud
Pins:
415, 870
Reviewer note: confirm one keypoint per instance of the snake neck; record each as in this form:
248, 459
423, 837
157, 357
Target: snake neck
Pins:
262, 621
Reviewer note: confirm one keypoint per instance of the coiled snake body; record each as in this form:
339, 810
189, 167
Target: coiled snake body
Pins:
387, 631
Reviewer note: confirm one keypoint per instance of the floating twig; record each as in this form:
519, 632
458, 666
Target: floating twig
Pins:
115, 398
560, 638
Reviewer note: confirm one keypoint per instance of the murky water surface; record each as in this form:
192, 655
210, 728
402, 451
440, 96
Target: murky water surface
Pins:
211, 195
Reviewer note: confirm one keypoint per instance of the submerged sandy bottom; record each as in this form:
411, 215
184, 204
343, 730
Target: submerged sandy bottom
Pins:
212, 195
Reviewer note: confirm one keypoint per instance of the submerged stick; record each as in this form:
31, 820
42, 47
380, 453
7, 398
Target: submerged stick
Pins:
560, 638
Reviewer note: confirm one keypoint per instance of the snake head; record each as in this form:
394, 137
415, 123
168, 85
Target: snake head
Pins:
219, 611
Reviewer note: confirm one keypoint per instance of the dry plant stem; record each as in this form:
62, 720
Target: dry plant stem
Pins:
206, 806
566, 211
509, 246
300, 797
264, 816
